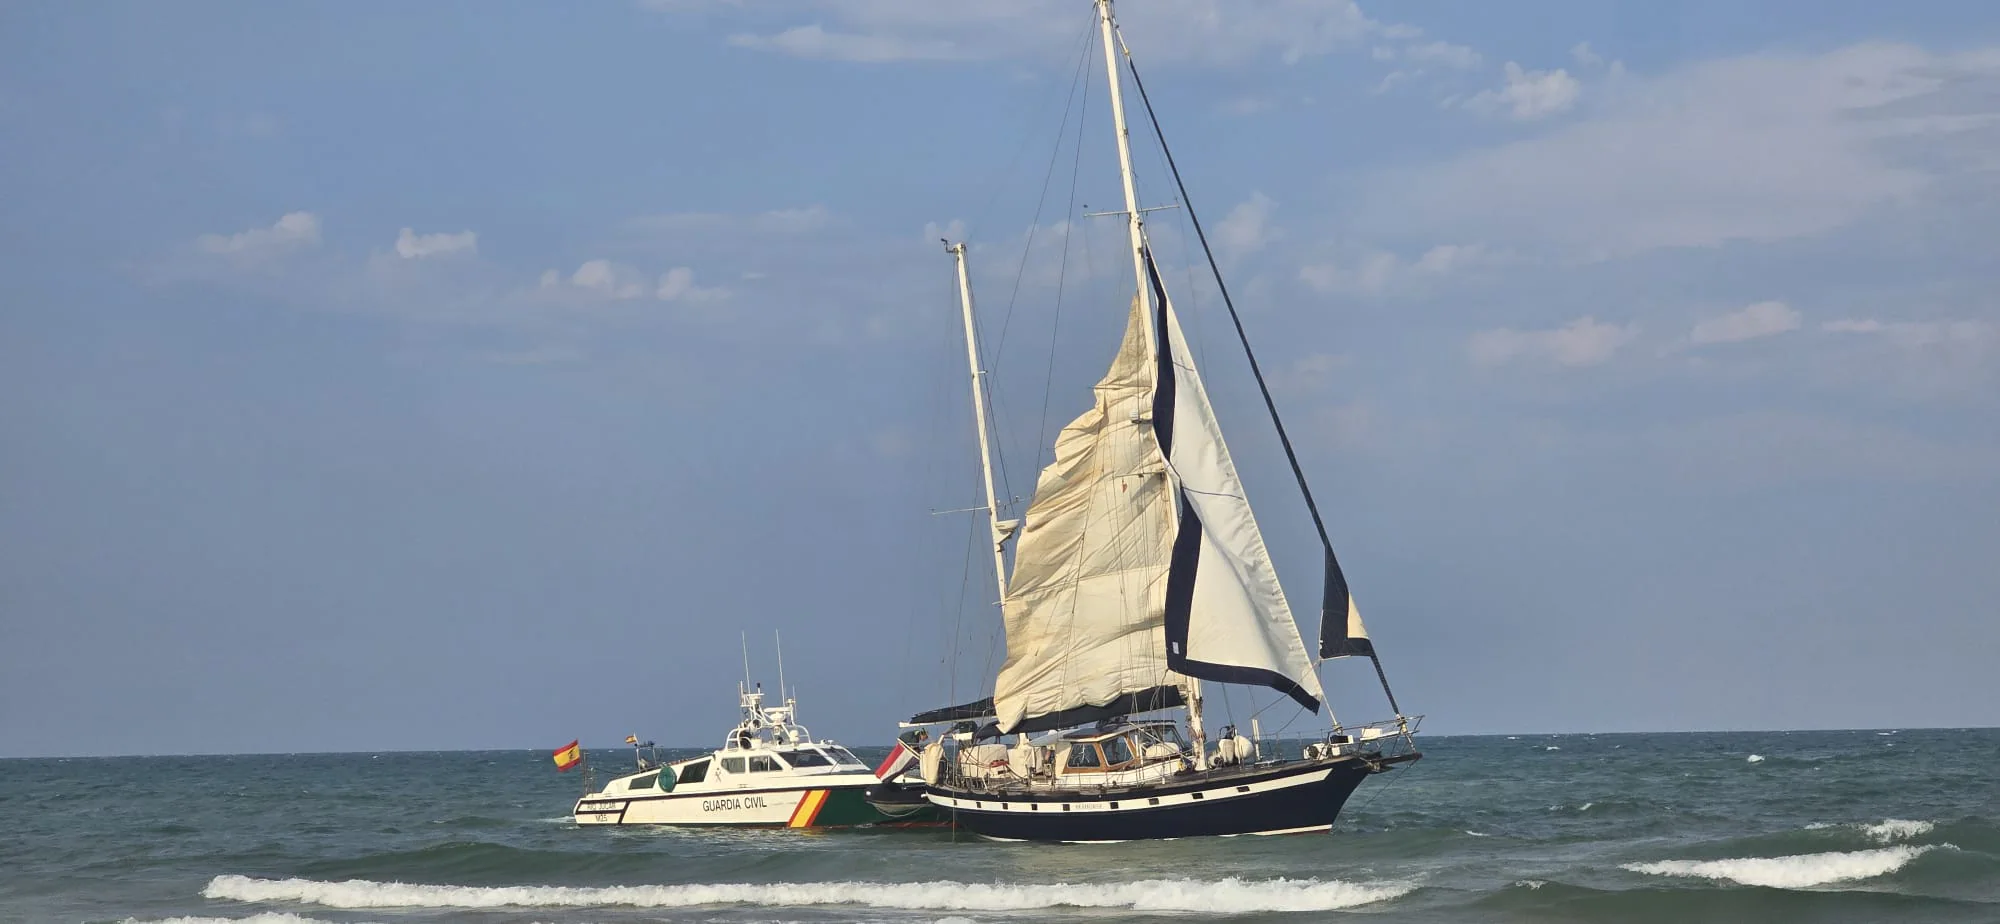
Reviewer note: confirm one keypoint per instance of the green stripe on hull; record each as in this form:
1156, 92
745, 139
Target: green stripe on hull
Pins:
849, 807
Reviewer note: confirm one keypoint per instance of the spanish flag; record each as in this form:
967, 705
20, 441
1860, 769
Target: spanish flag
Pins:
568, 756
632, 739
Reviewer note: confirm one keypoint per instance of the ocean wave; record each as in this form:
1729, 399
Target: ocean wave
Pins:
1804, 871
1755, 758
268, 917
1222, 896
1891, 830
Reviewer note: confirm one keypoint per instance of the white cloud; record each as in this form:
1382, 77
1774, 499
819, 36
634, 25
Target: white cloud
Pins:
1763, 319
774, 222
677, 285
1443, 53
1585, 56
1920, 333
1582, 342
413, 246
817, 43
1247, 227
606, 278
1380, 271
1759, 148
1528, 95
1205, 31
294, 230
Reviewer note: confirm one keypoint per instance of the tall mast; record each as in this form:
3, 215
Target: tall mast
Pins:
1135, 221
1001, 529
1135, 224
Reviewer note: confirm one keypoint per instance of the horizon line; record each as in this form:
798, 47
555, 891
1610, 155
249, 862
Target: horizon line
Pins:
622, 745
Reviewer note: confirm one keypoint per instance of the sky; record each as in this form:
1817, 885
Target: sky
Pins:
467, 375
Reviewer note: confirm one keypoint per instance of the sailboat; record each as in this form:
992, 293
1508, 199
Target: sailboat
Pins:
1139, 574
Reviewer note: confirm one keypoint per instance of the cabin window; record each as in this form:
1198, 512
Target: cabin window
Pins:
643, 782
806, 758
1116, 751
694, 772
845, 756
1083, 756
762, 764
732, 764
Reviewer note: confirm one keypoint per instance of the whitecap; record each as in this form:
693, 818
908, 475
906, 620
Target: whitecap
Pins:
1803, 871
1890, 830
1756, 758
1531, 883
1222, 896
1477, 834
268, 917
1552, 748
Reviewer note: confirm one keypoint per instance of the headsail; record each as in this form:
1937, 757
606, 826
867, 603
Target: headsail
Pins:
1085, 603
1226, 615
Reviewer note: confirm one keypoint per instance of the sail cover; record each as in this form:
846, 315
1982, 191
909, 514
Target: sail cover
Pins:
1085, 604
1226, 615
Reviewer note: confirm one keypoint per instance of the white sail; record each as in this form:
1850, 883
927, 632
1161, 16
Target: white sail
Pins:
1085, 602
1226, 618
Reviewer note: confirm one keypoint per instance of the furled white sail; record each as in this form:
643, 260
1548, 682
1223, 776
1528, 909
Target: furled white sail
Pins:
1226, 615
1084, 603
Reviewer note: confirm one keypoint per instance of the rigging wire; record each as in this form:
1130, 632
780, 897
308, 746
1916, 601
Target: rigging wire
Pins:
998, 349
1256, 371
1062, 282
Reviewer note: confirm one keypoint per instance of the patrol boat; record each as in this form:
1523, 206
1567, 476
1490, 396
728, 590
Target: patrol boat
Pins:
770, 772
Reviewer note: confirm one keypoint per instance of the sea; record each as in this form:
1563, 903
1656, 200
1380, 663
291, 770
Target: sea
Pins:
1873, 825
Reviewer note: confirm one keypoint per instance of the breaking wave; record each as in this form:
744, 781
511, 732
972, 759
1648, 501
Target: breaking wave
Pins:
268, 917
1897, 829
1797, 872
1222, 896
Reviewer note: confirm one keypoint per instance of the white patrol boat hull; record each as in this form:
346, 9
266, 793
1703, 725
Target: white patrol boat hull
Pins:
769, 773
831, 801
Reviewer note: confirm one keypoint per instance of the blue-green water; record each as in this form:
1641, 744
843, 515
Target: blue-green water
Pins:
1803, 826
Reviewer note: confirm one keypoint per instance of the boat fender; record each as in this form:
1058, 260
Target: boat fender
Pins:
932, 761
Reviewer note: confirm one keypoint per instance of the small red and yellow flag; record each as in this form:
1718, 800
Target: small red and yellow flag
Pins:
568, 756
632, 739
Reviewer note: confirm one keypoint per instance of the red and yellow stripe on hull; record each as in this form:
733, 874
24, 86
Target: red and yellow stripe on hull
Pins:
808, 809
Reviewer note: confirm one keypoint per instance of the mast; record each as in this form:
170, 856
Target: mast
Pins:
1001, 529
1135, 221
1135, 224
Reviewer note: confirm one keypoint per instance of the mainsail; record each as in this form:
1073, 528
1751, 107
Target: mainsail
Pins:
1139, 563
1085, 605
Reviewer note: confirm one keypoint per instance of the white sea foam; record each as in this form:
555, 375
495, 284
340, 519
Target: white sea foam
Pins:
1477, 834
1552, 748
269, 917
1220, 896
1897, 829
1755, 758
1796, 872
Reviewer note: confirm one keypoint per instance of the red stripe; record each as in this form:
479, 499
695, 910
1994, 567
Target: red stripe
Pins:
890, 760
